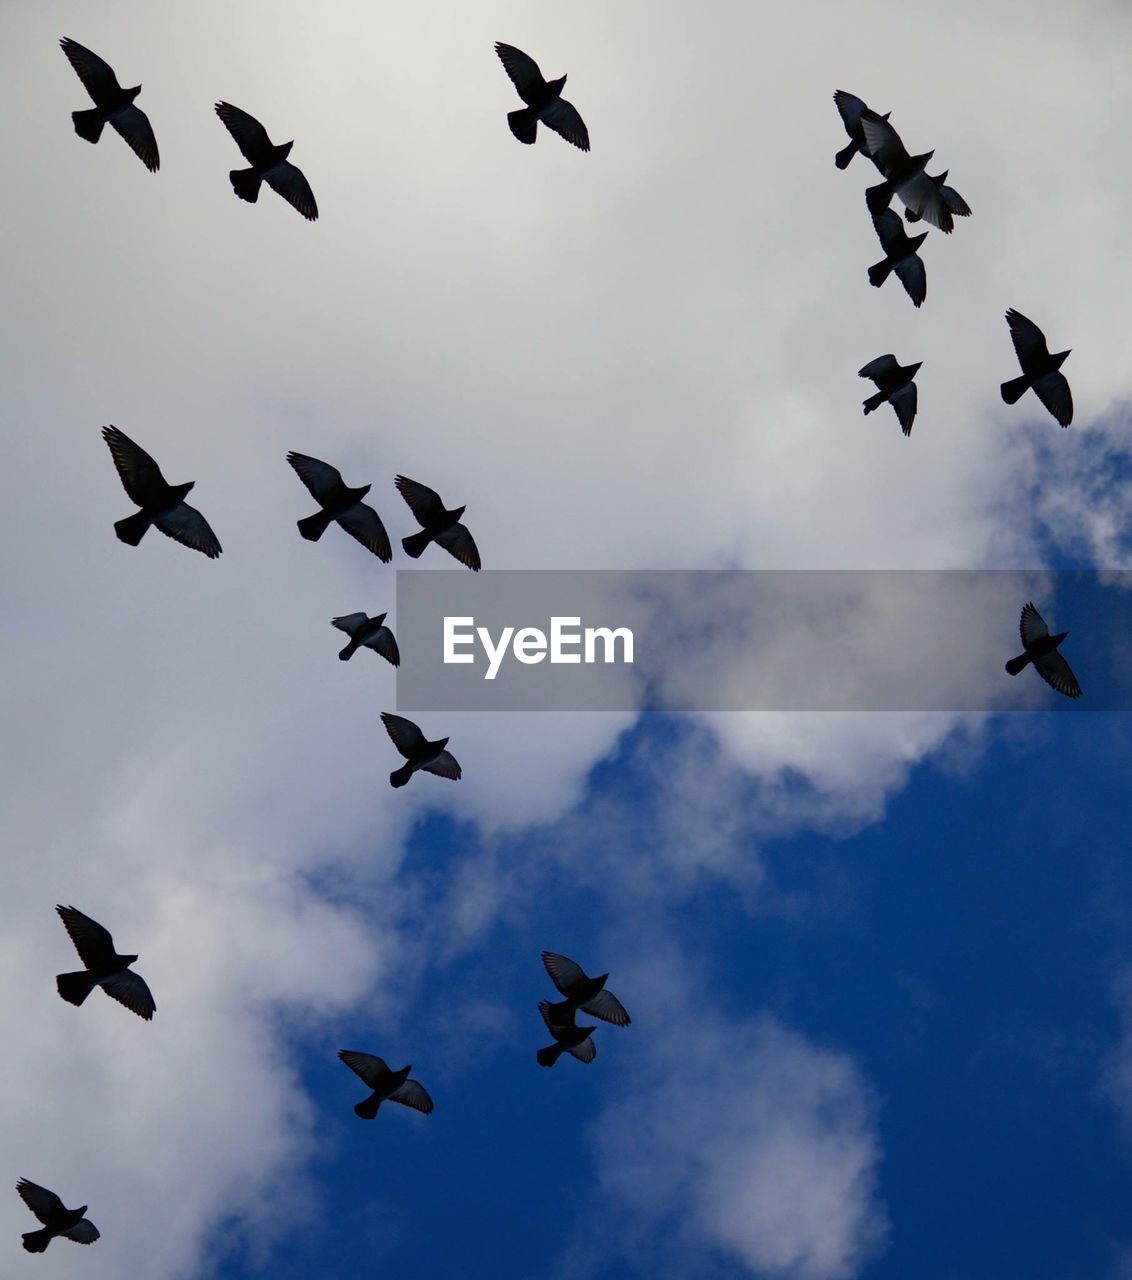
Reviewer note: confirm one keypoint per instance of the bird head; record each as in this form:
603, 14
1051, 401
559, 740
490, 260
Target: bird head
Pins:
1057, 639
365, 487
886, 115
129, 959
133, 93
914, 242
81, 1210
921, 161
460, 510
1060, 357
285, 149
913, 369
556, 85
182, 489
941, 178
442, 744
379, 619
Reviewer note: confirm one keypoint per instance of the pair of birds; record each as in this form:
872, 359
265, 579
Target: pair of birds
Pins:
580, 991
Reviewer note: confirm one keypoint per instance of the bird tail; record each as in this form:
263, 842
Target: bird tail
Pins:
878, 273
37, 1241
549, 1056
415, 543
74, 987
88, 125
878, 198
367, 1109
845, 155
245, 183
1018, 664
1015, 389
132, 529
349, 651
874, 402
524, 124
399, 777
313, 527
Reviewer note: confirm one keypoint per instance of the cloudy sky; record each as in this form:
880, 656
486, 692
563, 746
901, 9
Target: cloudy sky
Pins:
879, 966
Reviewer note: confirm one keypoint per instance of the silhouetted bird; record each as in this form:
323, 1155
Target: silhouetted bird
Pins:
161, 504
1040, 370
950, 197
418, 751
56, 1218
1041, 650
113, 105
268, 162
850, 108
904, 176
895, 384
438, 525
105, 968
581, 992
387, 1086
568, 1038
544, 101
339, 503
368, 633
901, 254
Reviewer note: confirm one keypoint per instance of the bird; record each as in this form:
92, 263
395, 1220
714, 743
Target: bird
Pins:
1040, 370
1042, 650
105, 968
903, 174
895, 383
901, 254
57, 1219
850, 108
368, 633
268, 162
418, 751
950, 197
438, 524
161, 504
113, 105
581, 992
387, 1085
338, 502
544, 101
568, 1038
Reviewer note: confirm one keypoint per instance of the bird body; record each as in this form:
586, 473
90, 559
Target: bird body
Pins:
895, 385
268, 162
1041, 371
418, 751
438, 525
851, 108
57, 1219
1041, 649
581, 992
368, 633
105, 968
543, 98
387, 1085
901, 255
113, 105
568, 1038
339, 503
905, 176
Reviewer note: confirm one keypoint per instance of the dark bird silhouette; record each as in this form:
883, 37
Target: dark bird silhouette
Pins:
387, 1085
161, 504
851, 108
438, 525
57, 1219
904, 176
1042, 650
901, 254
418, 751
113, 105
568, 1038
895, 384
368, 633
1040, 370
339, 503
268, 162
105, 968
581, 992
955, 203
543, 98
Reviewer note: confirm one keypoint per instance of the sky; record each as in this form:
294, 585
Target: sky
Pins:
878, 964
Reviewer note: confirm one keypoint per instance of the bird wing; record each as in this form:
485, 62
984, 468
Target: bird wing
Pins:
1031, 626
363, 522
130, 989
290, 182
550, 1017
412, 1094
97, 76
955, 202
888, 228
884, 143
186, 525
879, 367
563, 118
43, 1203
904, 402
132, 123
914, 277
369, 1068
444, 766
922, 196
849, 107
349, 622
1053, 391
385, 643
251, 137
140, 475
564, 973
522, 68
586, 1051
457, 541
320, 477
407, 737
83, 1232
423, 502
1057, 673
1029, 341
93, 943
608, 1008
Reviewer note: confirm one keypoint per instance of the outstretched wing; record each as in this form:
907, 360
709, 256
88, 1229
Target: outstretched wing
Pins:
608, 1008
955, 202
132, 123
407, 737
130, 989
459, 542
1029, 341
83, 1232
93, 943
564, 973
1053, 391
586, 1051
97, 76
904, 402
290, 182
878, 368
1058, 674
888, 227
364, 523
186, 525
43, 1203
412, 1094
923, 197
349, 622
320, 477
140, 475
369, 1068
913, 275
444, 766
563, 118
385, 644
522, 68
251, 137
1031, 626
423, 502
849, 107
884, 143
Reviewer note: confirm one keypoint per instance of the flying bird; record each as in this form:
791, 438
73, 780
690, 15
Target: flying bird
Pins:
901, 254
895, 384
544, 101
338, 502
387, 1085
57, 1219
568, 1038
113, 105
581, 992
161, 504
950, 197
904, 176
418, 751
1042, 650
438, 524
105, 968
851, 108
367, 633
1040, 370
268, 162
